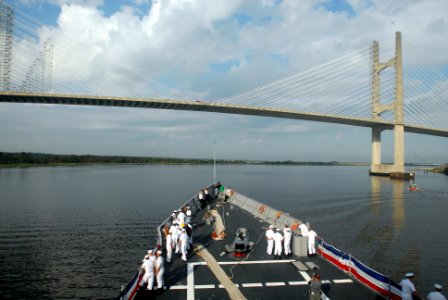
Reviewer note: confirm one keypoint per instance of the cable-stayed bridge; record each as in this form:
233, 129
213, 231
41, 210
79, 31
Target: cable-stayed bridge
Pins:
357, 89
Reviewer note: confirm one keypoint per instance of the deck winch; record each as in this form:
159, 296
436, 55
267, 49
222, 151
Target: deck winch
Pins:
241, 245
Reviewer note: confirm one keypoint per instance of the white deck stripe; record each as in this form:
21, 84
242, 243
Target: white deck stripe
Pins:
305, 275
297, 282
326, 281
275, 283
258, 284
246, 262
190, 282
342, 281
178, 287
221, 286
204, 286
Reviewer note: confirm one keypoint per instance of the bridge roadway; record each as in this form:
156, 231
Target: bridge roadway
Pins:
45, 98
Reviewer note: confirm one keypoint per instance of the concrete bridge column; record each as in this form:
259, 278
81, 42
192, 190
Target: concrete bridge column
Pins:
376, 146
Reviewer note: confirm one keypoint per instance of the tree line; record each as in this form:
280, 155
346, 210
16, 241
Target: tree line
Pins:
26, 158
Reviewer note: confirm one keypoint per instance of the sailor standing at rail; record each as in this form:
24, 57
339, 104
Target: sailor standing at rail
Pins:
188, 214
169, 247
312, 242
407, 287
148, 267
437, 294
303, 229
278, 240
181, 217
175, 236
287, 235
183, 243
270, 239
159, 269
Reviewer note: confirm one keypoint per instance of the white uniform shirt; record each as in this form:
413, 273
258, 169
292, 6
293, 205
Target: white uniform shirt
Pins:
278, 238
159, 263
181, 218
270, 234
303, 229
287, 234
436, 296
148, 265
407, 287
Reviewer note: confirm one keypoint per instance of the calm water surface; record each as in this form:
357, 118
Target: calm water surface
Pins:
80, 232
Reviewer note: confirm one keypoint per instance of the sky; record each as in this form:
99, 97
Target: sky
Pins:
211, 50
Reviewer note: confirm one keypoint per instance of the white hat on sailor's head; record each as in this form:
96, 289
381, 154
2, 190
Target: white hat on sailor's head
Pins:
271, 226
150, 252
278, 229
410, 274
159, 251
437, 286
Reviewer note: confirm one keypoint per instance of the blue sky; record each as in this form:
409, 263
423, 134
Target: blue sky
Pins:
211, 50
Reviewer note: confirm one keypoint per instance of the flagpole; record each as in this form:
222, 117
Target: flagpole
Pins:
214, 162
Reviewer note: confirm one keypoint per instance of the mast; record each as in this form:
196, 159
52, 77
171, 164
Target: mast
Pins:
214, 162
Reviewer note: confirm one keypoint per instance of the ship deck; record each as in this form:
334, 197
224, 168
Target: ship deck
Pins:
258, 276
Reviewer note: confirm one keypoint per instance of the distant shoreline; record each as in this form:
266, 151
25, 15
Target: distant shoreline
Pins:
27, 159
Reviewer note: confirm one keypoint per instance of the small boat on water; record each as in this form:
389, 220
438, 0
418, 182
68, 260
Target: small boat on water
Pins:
229, 260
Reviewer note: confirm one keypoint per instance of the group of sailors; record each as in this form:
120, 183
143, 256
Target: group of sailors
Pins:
179, 236
179, 239
153, 266
281, 243
409, 292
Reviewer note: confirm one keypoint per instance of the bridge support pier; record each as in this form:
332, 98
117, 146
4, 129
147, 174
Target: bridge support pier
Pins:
397, 168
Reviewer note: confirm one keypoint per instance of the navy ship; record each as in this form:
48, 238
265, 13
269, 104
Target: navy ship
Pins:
228, 258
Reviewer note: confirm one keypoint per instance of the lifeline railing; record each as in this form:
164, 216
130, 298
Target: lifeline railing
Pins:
355, 268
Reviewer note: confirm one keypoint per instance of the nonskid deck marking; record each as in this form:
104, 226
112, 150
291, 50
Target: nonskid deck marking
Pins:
275, 283
258, 284
342, 281
244, 262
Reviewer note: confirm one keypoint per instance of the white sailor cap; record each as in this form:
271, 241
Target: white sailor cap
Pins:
159, 251
278, 229
271, 226
410, 274
150, 252
438, 286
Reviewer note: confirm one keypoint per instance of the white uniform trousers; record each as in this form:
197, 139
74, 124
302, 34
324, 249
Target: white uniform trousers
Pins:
270, 246
160, 278
278, 248
149, 278
287, 246
311, 246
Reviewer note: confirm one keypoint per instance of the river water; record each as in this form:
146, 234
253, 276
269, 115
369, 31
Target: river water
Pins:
80, 232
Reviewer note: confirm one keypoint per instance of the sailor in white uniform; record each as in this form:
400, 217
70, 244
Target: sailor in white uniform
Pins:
175, 233
312, 242
270, 239
148, 267
183, 244
159, 269
437, 294
181, 217
407, 287
188, 214
303, 229
169, 247
278, 241
287, 235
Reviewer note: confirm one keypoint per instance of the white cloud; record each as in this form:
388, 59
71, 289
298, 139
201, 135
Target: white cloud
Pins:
176, 42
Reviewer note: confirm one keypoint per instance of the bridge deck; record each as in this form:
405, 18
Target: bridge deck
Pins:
41, 98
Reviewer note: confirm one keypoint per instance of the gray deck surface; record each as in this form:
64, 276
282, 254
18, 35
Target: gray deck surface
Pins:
260, 276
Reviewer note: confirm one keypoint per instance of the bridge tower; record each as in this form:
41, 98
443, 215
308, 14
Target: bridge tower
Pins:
397, 168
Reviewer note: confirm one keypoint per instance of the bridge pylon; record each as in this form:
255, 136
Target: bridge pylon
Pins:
397, 168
